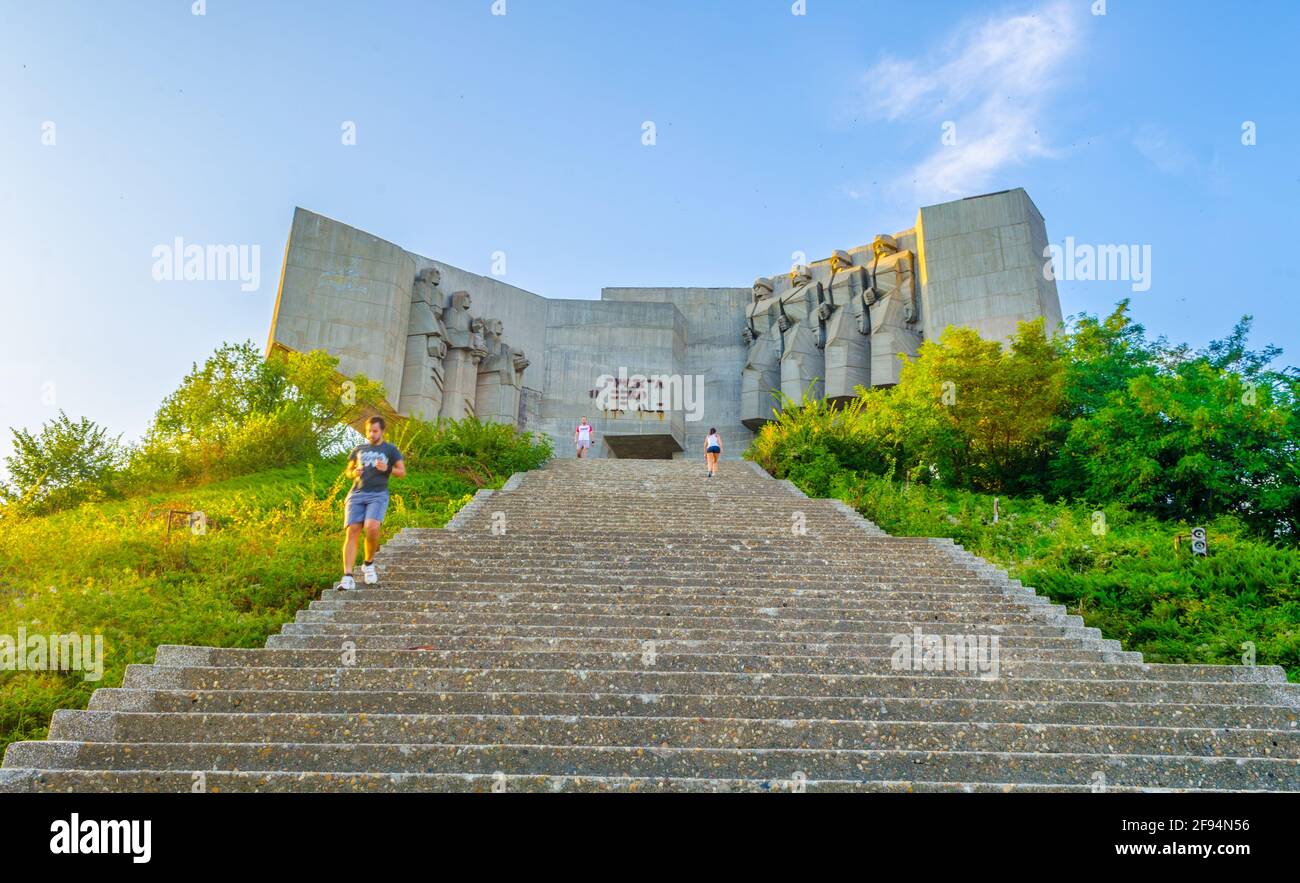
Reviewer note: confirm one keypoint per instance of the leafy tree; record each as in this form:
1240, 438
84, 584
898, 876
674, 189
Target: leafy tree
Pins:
326, 400
1185, 435
965, 412
234, 383
239, 413
65, 464
969, 413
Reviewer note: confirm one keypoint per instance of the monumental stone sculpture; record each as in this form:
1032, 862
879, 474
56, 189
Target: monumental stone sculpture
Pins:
847, 334
803, 364
761, 376
499, 376
892, 309
423, 378
466, 349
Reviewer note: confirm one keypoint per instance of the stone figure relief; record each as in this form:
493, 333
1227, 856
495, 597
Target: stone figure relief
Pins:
465, 349
803, 365
521, 362
893, 313
892, 274
478, 337
761, 376
457, 364
500, 376
846, 329
830, 331
423, 377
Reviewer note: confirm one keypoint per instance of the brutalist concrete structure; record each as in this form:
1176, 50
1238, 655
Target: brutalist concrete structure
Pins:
654, 368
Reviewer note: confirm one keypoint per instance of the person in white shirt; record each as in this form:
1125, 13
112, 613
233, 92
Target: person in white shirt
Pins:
712, 450
582, 438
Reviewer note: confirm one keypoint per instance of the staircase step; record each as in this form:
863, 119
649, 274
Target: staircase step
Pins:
110, 781
1001, 710
783, 764
682, 662
1102, 685
808, 734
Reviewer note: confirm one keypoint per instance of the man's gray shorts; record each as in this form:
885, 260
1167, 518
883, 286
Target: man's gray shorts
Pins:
363, 506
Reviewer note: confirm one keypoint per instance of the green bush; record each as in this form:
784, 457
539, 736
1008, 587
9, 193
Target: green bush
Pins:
240, 413
812, 442
482, 452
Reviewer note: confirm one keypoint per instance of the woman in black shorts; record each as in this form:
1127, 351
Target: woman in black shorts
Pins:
712, 450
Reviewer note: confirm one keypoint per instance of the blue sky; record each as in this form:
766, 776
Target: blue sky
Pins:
479, 133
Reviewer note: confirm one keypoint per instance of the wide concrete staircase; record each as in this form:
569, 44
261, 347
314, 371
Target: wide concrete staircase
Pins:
632, 625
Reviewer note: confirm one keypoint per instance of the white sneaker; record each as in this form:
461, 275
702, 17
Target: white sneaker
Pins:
371, 576
347, 584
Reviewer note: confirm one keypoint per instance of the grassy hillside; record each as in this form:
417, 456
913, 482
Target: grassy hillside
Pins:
117, 569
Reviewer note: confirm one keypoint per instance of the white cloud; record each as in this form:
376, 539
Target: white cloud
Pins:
1168, 155
992, 80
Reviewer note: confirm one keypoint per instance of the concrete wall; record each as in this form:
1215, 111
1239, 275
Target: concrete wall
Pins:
982, 265
588, 339
348, 293
714, 318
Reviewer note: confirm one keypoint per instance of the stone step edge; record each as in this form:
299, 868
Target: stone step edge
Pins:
127, 694
70, 750
84, 725
431, 633
184, 781
467, 512
1071, 625
185, 657
1289, 693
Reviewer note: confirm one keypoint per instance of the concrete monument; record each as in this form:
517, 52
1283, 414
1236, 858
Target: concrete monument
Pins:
711, 356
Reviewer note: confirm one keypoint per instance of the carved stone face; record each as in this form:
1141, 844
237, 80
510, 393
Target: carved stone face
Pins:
429, 276
493, 328
457, 316
883, 246
841, 260
762, 288
800, 275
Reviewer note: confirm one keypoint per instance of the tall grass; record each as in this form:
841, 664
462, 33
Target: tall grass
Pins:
126, 571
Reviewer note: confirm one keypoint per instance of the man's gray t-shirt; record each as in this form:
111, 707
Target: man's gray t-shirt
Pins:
371, 479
